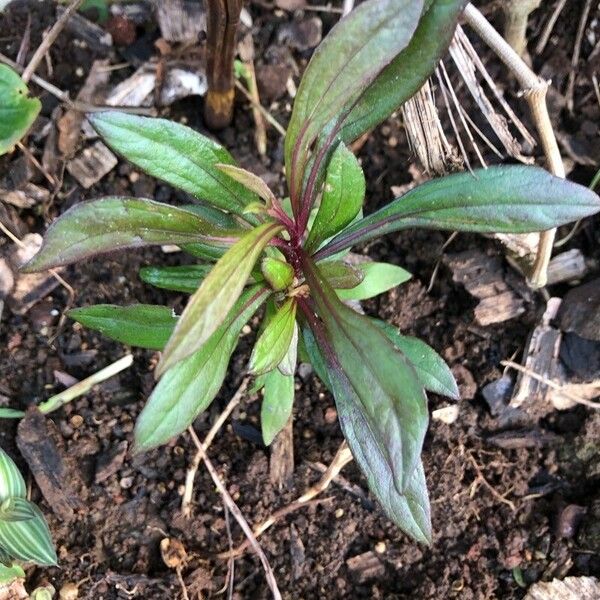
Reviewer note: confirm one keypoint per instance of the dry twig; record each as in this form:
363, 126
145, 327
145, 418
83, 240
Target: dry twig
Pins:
534, 91
237, 513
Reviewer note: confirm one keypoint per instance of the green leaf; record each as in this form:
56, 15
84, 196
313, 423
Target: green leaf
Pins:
186, 278
278, 273
17, 110
343, 195
272, 345
143, 325
28, 540
314, 355
213, 300
288, 364
377, 279
12, 483
191, 385
504, 199
346, 62
9, 574
17, 509
249, 180
276, 407
176, 154
376, 388
432, 371
11, 413
340, 275
112, 224
407, 73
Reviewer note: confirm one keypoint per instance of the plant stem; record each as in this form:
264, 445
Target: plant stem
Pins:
222, 21
516, 13
534, 90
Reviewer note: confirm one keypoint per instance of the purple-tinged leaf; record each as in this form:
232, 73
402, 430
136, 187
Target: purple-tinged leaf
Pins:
210, 304
110, 224
506, 199
372, 381
347, 61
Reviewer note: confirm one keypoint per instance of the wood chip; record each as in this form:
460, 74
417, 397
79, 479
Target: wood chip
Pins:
93, 35
92, 164
365, 566
281, 465
57, 476
181, 20
570, 588
567, 266
110, 462
485, 278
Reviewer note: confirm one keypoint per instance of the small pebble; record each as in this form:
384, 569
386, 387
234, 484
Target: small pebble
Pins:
339, 513
380, 547
76, 421
68, 591
126, 482
330, 415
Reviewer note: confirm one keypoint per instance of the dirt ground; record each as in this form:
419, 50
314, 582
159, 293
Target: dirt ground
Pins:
498, 514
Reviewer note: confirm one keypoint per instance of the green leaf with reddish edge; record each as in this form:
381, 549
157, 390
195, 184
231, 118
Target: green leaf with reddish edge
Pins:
249, 180
348, 60
184, 278
28, 540
343, 196
17, 110
339, 275
112, 224
142, 325
408, 509
277, 404
273, 343
212, 301
384, 386
378, 278
432, 371
407, 73
176, 154
504, 199
11, 481
191, 385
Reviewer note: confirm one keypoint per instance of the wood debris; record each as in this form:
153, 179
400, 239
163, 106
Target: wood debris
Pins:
501, 294
92, 164
567, 266
281, 464
42, 446
181, 20
365, 566
570, 588
93, 35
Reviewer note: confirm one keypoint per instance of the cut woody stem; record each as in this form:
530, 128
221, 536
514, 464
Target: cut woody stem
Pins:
222, 21
516, 14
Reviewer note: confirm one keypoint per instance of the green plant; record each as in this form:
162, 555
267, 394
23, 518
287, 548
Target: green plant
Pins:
288, 256
24, 534
17, 110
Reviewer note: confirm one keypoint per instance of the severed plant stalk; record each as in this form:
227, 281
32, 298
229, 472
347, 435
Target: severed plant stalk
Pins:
516, 13
222, 21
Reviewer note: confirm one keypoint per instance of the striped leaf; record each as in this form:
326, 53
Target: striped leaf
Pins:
28, 540
11, 481
16, 509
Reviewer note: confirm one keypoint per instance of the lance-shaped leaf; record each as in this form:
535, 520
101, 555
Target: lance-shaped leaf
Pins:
17, 509
349, 58
277, 404
112, 224
408, 509
288, 364
12, 483
407, 73
185, 278
28, 540
507, 199
17, 110
432, 371
384, 387
377, 279
176, 154
143, 325
340, 275
274, 342
249, 180
213, 300
343, 195
191, 385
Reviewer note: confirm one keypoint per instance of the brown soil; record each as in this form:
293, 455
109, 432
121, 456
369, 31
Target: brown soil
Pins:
494, 511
